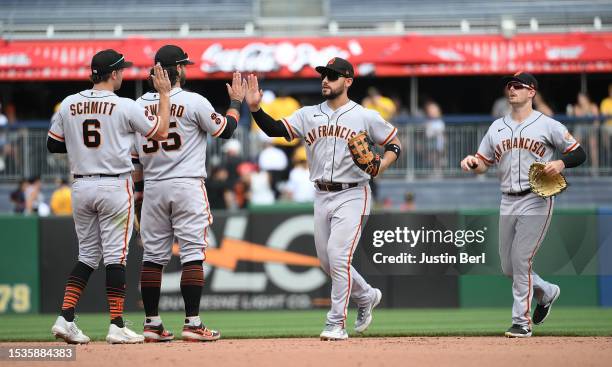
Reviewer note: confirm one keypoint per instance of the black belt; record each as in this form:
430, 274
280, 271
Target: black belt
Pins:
95, 175
328, 186
522, 193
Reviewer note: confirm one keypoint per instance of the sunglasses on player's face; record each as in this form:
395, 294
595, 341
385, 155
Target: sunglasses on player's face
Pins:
331, 76
517, 86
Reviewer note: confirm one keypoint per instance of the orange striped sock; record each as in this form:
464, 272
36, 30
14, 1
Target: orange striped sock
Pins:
115, 292
76, 283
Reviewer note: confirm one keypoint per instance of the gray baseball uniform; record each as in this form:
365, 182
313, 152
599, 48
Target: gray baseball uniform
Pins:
175, 201
339, 215
98, 127
524, 216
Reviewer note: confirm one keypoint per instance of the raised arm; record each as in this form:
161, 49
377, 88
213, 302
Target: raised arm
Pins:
270, 126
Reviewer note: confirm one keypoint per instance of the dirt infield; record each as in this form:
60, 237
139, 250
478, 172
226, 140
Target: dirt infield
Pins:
415, 351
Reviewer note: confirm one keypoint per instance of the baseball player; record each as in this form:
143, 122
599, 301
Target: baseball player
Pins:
343, 196
175, 201
513, 143
96, 127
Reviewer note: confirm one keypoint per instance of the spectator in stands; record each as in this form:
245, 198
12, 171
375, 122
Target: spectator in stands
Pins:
606, 110
273, 161
260, 184
5, 148
279, 106
18, 197
501, 107
34, 198
408, 204
540, 105
377, 102
587, 125
61, 199
606, 107
220, 193
242, 186
299, 188
232, 149
434, 132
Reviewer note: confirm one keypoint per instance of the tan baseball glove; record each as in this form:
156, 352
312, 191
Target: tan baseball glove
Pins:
361, 148
545, 185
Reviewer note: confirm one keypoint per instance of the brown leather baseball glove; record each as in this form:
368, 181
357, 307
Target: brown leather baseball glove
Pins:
361, 148
545, 185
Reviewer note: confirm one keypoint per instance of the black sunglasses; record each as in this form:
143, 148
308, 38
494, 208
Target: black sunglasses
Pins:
331, 76
517, 86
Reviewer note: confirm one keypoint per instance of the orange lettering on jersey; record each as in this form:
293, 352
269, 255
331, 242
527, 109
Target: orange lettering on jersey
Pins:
343, 132
152, 108
311, 137
180, 110
338, 131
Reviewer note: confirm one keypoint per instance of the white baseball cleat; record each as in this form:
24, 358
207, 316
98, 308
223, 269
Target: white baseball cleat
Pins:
334, 332
122, 335
68, 331
364, 313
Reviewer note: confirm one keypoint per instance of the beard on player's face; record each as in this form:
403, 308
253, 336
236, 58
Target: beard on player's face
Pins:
330, 92
182, 77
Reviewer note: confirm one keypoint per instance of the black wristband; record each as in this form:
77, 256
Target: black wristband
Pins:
393, 148
235, 104
139, 186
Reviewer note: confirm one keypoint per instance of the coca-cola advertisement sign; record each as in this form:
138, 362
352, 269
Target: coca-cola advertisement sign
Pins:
268, 57
400, 55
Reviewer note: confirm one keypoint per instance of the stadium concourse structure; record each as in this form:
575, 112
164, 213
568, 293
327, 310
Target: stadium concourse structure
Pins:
22, 19
53, 41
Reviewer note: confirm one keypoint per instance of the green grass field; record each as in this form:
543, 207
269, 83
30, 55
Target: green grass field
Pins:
564, 321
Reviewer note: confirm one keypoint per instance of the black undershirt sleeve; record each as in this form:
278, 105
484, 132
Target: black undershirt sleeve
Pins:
229, 128
272, 128
574, 158
56, 146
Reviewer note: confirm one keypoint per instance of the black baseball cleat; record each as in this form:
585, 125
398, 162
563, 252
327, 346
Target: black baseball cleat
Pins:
518, 331
541, 312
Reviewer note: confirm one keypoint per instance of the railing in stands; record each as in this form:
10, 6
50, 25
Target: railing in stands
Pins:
426, 152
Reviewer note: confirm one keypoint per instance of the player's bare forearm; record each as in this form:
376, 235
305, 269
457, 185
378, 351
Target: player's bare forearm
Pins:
163, 87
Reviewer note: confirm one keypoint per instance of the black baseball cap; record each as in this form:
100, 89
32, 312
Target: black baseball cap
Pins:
171, 55
522, 77
106, 61
338, 65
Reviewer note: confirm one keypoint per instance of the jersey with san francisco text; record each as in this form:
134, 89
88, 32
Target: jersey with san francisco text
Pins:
513, 147
183, 153
98, 129
326, 132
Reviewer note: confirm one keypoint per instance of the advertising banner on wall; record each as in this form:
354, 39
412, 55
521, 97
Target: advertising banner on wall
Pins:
255, 261
296, 57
